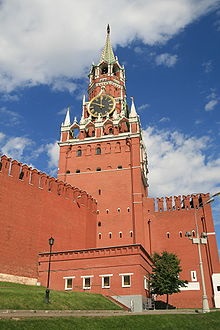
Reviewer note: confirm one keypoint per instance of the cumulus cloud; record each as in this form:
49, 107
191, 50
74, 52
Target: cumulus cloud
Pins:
143, 106
52, 150
25, 150
178, 165
213, 100
52, 42
207, 66
14, 147
9, 118
211, 105
166, 60
164, 120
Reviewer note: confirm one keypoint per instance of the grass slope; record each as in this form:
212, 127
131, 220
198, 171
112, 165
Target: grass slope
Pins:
209, 321
18, 296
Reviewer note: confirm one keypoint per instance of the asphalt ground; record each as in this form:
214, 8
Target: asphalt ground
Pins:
21, 314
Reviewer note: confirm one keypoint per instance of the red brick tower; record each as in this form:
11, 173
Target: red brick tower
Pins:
105, 155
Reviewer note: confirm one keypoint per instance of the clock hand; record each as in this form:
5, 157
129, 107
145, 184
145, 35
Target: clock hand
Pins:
99, 104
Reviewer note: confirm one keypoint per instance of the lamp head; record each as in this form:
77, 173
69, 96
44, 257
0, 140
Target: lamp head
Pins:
51, 241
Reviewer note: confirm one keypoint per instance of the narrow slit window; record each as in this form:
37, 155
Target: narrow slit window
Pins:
98, 151
79, 153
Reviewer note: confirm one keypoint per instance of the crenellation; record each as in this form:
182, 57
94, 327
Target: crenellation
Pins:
181, 202
26, 170
177, 202
35, 178
43, 184
169, 203
15, 169
24, 173
160, 204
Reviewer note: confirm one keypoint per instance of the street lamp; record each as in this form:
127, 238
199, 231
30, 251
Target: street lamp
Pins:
201, 239
47, 292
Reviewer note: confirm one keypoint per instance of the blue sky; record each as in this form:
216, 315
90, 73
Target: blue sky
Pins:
171, 52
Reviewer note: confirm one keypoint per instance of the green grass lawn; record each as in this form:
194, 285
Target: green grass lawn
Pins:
18, 296
209, 321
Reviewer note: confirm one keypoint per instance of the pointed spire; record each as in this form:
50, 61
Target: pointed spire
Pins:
133, 112
107, 55
67, 118
82, 120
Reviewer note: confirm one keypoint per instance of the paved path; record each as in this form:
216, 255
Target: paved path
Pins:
18, 314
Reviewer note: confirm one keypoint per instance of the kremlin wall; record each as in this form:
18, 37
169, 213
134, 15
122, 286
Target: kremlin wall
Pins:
35, 206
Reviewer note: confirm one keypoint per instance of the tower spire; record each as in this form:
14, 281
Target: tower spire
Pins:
107, 55
67, 118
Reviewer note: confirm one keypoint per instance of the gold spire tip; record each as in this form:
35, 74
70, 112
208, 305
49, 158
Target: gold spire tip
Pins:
108, 29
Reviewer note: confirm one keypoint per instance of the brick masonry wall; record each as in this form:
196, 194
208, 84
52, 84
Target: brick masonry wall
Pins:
35, 207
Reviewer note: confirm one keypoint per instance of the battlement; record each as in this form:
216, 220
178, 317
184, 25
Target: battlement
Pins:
31, 176
180, 202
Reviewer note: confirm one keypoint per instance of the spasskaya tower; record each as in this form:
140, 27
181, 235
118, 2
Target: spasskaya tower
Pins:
104, 154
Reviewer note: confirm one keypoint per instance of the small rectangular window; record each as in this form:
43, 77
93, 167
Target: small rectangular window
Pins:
69, 283
193, 276
126, 280
106, 282
86, 282
146, 283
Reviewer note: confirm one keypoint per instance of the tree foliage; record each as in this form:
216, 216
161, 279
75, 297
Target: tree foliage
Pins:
165, 274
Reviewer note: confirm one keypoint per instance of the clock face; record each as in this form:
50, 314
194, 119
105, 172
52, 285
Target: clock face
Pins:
101, 104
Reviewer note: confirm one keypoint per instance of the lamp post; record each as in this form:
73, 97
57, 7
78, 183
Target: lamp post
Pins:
47, 292
201, 239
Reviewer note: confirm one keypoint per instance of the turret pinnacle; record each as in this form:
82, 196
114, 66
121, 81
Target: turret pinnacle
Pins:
133, 112
107, 53
67, 118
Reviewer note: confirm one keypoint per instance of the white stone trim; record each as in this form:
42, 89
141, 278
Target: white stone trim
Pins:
18, 279
191, 286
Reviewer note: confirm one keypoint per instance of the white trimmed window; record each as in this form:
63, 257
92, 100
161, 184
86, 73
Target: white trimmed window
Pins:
126, 280
87, 282
193, 276
106, 281
68, 284
146, 283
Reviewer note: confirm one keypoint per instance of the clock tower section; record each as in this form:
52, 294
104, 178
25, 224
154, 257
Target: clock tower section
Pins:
103, 154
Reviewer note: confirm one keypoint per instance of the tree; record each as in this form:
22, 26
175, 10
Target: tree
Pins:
165, 275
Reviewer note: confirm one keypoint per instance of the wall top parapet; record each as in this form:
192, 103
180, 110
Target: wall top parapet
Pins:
181, 202
30, 176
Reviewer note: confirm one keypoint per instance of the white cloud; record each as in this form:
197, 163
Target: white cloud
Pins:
25, 150
143, 106
211, 105
14, 147
208, 66
166, 59
9, 118
213, 101
52, 41
178, 163
53, 155
164, 120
